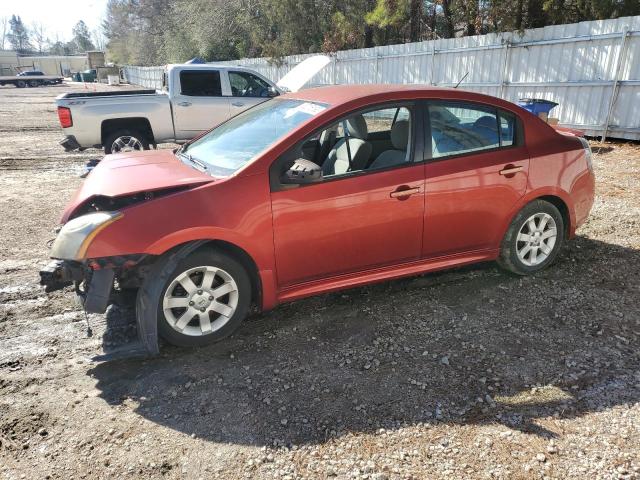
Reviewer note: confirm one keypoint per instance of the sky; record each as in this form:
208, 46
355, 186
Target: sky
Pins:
57, 16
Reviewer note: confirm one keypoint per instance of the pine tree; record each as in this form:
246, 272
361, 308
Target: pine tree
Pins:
18, 35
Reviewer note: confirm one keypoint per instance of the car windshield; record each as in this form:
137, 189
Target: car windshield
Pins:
236, 142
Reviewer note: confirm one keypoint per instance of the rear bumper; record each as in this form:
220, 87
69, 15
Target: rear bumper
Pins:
69, 143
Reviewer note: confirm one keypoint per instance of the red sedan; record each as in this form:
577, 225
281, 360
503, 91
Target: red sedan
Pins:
324, 189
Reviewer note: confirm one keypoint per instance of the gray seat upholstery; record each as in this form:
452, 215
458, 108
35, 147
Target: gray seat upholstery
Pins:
337, 161
399, 140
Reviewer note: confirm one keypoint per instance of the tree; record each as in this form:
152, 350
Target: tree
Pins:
18, 35
38, 34
153, 32
82, 37
4, 28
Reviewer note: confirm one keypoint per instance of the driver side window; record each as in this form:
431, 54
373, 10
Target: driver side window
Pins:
361, 142
244, 84
364, 141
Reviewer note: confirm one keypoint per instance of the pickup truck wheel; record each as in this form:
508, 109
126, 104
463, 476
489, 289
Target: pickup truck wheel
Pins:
21, 84
125, 141
202, 300
34, 83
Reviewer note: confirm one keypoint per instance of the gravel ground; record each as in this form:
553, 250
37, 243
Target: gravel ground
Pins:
470, 373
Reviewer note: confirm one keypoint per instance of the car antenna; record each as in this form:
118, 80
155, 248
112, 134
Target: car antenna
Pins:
465, 76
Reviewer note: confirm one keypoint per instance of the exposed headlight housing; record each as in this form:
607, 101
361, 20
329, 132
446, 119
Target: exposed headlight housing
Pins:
76, 235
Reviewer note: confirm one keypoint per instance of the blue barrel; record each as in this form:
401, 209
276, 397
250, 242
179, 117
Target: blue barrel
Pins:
537, 105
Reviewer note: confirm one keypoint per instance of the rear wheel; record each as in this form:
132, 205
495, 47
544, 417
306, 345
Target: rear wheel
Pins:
203, 300
533, 239
21, 84
34, 83
125, 141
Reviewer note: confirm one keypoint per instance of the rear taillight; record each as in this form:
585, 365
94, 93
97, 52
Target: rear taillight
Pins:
64, 114
587, 152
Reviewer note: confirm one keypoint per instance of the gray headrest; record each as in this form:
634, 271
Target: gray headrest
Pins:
357, 127
400, 134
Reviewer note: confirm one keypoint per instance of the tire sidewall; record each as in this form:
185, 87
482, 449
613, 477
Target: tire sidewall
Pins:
509, 254
201, 258
125, 133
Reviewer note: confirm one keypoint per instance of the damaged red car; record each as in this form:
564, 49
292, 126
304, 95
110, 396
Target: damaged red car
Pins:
316, 191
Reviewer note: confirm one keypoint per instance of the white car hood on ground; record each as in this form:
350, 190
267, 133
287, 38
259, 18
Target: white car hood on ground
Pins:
299, 75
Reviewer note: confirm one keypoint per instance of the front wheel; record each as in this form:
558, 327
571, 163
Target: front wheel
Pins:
202, 299
125, 141
533, 239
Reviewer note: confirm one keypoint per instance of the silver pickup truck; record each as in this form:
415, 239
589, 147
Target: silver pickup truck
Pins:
194, 99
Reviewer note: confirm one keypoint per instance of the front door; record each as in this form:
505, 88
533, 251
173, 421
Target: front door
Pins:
477, 174
247, 91
198, 104
350, 221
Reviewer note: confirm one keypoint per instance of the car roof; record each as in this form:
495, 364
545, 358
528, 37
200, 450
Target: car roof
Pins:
205, 66
335, 95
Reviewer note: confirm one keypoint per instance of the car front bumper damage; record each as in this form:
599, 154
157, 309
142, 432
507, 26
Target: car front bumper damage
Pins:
94, 286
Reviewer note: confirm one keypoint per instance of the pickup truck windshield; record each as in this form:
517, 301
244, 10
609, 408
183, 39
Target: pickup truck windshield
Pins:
236, 142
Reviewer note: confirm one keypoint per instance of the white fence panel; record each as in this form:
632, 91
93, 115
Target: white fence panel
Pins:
592, 69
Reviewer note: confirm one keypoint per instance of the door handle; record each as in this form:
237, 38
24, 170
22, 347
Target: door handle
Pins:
404, 192
185, 104
238, 104
511, 170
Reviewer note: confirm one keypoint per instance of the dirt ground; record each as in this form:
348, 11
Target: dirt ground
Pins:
471, 373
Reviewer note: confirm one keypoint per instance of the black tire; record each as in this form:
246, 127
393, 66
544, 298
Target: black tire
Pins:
161, 278
509, 258
34, 83
21, 84
111, 138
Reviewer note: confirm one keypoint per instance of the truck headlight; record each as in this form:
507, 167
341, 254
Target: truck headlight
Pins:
76, 235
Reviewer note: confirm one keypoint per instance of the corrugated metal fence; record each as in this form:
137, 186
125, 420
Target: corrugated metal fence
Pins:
592, 69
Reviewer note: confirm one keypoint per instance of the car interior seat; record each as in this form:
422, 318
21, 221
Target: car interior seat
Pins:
337, 161
399, 140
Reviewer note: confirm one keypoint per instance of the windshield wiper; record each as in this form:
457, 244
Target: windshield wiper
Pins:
203, 166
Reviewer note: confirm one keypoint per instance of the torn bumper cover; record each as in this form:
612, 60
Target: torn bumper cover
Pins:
59, 274
94, 286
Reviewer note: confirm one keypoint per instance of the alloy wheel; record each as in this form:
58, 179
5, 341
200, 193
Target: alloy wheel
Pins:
126, 143
200, 301
536, 239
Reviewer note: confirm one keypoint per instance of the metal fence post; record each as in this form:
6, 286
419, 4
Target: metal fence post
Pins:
616, 82
505, 70
376, 73
433, 61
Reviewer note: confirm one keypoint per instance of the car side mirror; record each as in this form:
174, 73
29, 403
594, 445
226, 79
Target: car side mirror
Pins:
272, 92
302, 172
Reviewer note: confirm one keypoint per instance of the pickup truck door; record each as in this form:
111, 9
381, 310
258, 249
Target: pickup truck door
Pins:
247, 90
198, 102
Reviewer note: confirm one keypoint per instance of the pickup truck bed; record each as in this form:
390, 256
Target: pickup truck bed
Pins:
107, 94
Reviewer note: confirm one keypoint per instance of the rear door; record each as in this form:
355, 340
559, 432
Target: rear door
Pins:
198, 102
476, 172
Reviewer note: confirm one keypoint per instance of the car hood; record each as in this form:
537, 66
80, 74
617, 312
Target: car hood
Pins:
129, 173
299, 75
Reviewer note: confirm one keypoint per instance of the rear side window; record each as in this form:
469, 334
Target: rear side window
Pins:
200, 84
507, 128
462, 128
